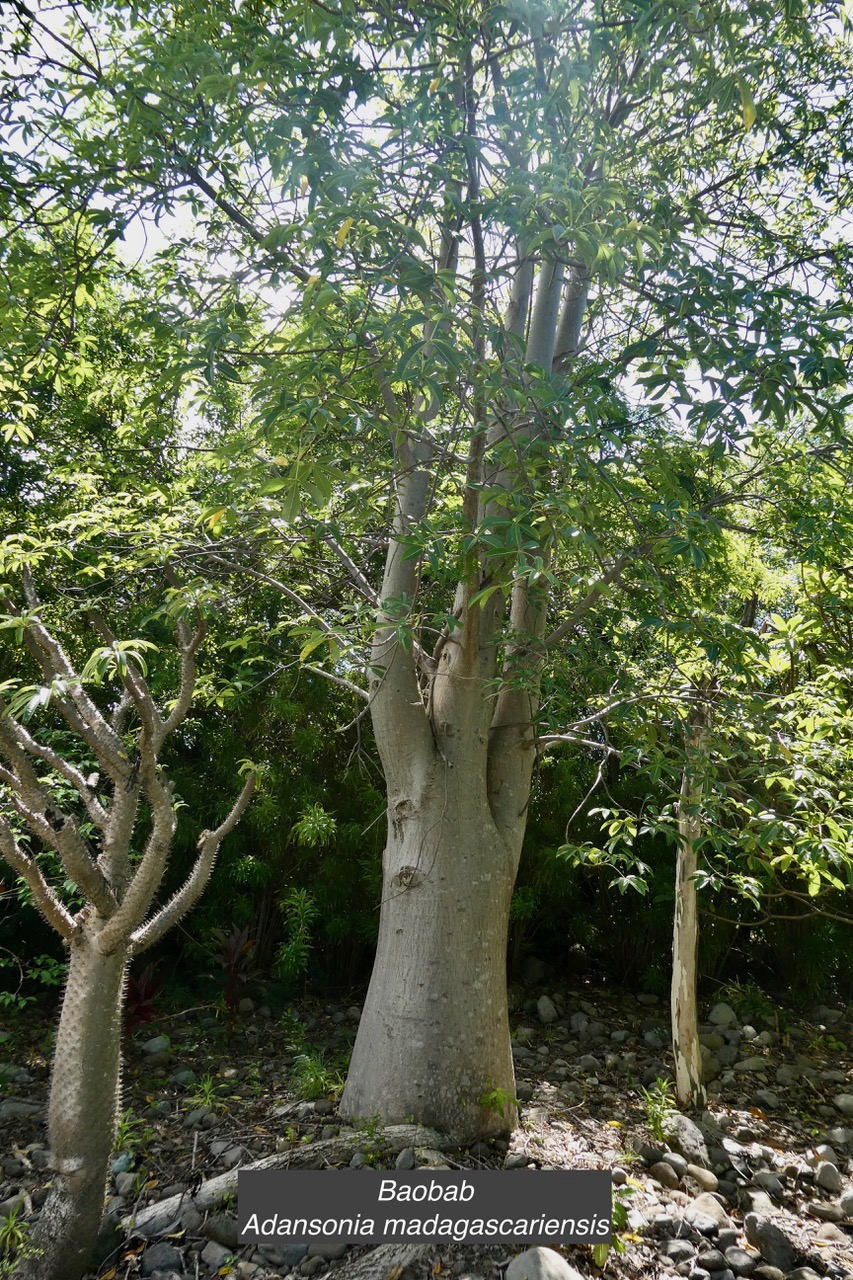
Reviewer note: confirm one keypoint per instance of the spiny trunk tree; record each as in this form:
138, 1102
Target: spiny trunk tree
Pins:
489, 288
92, 844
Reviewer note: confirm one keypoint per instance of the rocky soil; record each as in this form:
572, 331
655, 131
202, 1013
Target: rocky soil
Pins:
758, 1184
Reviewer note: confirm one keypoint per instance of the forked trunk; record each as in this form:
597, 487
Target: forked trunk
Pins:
82, 1114
687, 1051
433, 1041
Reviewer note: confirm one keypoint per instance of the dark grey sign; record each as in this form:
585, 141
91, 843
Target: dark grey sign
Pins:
377, 1206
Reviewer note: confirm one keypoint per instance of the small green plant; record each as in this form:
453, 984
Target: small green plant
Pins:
654, 980
312, 1077
42, 969
826, 1043
300, 911
207, 1093
294, 1031
659, 1103
618, 1223
371, 1127
131, 1132
500, 1102
15, 1246
748, 1000
14, 1234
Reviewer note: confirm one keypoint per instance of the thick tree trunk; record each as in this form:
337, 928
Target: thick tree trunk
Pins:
82, 1113
687, 1051
434, 1035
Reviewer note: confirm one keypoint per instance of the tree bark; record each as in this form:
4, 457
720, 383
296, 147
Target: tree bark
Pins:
434, 1034
82, 1112
687, 1051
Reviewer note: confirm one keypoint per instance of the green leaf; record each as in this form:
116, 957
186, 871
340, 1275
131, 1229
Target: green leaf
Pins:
747, 103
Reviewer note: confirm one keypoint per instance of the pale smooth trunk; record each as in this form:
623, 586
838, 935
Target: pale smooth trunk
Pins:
433, 1040
687, 1051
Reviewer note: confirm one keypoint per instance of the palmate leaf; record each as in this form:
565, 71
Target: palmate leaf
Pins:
113, 660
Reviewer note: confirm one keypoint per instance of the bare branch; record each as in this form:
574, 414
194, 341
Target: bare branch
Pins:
43, 896
64, 768
148, 875
338, 680
352, 569
613, 574
74, 704
33, 803
189, 648
191, 890
550, 739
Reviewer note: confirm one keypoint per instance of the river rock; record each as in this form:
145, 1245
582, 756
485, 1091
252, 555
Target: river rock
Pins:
16, 1109
215, 1255
844, 1102
685, 1137
707, 1180
546, 1009
664, 1174
707, 1207
328, 1250
158, 1044
829, 1231
281, 1254
160, 1257
676, 1250
711, 1260
828, 1177
741, 1262
768, 1181
825, 1212
677, 1161
541, 1264
770, 1241
222, 1228
722, 1015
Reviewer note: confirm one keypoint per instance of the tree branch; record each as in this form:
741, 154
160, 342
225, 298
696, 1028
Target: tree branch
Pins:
63, 768
43, 896
30, 800
191, 890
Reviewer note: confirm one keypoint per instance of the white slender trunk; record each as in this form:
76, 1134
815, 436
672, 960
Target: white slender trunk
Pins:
687, 1051
82, 1112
